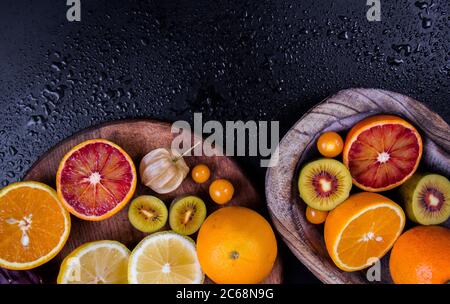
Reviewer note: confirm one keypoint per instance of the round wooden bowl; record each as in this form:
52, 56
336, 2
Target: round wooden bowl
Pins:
138, 137
339, 113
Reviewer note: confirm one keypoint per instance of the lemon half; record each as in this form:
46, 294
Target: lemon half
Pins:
165, 258
101, 262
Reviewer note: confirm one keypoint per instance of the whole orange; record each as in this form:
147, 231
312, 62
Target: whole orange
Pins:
421, 256
236, 245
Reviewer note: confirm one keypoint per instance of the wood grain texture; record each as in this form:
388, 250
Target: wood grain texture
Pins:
339, 113
138, 137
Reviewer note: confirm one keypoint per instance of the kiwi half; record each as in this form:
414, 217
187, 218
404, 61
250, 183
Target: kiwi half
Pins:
325, 183
187, 214
147, 213
427, 198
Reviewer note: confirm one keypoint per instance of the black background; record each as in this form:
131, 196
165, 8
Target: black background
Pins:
230, 60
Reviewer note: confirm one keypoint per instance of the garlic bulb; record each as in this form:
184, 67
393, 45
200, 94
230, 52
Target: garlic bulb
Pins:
163, 170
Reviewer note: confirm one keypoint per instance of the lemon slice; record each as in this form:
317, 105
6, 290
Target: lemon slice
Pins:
101, 262
165, 258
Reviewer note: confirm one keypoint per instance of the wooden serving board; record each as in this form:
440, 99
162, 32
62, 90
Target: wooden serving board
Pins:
138, 137
339, 113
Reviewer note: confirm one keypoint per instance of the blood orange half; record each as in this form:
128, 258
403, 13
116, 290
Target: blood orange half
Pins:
95, 179
382, 152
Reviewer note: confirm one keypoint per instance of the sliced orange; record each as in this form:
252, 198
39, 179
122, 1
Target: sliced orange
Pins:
95, 179
362, 229
34, 226
382, 152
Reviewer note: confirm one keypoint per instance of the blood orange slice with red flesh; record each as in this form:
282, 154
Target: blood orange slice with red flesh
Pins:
382, 152
96, 179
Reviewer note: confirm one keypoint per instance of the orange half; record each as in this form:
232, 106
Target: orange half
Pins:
34, 226
382, 152
96, 179
362, 229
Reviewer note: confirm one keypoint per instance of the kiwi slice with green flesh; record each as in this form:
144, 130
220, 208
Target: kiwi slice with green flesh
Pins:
427, 198
187, 214
325, 183
147, 213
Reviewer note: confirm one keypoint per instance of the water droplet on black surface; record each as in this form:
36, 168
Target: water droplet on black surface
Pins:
406, 49
421, 4
343, 35
394, 61
144, 41
427, 22
12, 151
35, 120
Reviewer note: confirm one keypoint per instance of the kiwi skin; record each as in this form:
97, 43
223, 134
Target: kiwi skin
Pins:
148, 213
411, 190
187, 214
